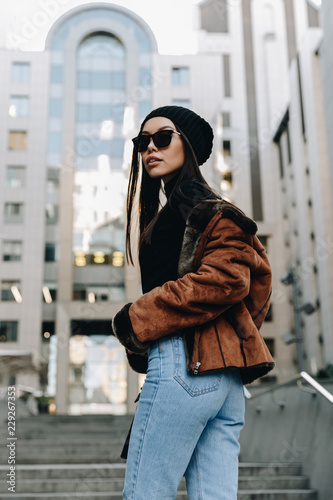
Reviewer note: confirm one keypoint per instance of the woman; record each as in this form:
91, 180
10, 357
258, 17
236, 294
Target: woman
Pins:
206, 284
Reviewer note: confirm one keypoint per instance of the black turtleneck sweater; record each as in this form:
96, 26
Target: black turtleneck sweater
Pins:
159, 260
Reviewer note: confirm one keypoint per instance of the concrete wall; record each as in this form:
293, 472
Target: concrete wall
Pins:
300, 432
29, 270
327, 72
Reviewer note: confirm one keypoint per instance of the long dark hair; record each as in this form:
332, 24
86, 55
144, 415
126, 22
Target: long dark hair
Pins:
149, 200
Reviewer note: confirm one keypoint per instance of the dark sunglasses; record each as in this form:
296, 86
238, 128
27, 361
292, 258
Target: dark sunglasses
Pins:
161, 139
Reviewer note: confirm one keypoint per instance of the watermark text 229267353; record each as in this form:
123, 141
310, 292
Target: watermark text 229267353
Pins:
11, 440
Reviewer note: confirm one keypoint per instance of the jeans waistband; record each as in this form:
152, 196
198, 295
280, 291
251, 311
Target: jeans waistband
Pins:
167, 339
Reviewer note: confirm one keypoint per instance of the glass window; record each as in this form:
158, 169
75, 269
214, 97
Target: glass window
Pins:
79, 292
281, 163
144, 108
83, 79
186, 103
11, 250
117, 147
54, 142
8, 331
117, 80
52, 196
99, 293
269, 315
214, 16
93, 112
20, 72
226, 119
105, 46
50, 252
10, 291
227, 147
13, 213
15, 176
271, 345
145, 77
264, 241
55, 109
49, 292
51, 213
48, 329
181, 76
117, 112
17, 140
226, 75
101, 80
87, 148
56, 74
83, 112
19, 106
96, 113
288, 145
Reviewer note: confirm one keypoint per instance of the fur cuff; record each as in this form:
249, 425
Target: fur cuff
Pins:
138, 362
122, 329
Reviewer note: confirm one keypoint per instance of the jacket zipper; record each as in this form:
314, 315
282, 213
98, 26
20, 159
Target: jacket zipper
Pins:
197, 364
196, 368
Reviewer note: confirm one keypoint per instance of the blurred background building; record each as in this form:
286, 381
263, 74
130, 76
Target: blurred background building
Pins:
262, 77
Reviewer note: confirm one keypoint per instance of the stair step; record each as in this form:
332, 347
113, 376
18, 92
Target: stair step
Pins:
97, 483
68, 471
262, 469
108, 470
182, 495
277, 495
65, 457
272, 483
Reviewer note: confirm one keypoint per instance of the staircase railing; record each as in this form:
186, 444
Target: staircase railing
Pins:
317, 388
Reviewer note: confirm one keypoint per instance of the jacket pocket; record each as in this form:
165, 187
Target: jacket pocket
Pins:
195, 385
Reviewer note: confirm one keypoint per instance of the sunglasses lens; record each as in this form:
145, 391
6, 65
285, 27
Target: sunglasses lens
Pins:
161, 139
141, 143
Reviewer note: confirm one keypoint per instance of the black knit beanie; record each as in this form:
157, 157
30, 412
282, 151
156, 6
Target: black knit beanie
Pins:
196, 129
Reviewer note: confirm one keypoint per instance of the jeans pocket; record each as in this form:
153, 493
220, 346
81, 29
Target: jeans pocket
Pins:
195, 385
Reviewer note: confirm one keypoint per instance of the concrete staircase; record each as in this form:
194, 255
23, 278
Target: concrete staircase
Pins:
69, 457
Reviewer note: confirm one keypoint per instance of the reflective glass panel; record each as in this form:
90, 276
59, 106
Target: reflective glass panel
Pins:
18, 106
99, 194
20, 72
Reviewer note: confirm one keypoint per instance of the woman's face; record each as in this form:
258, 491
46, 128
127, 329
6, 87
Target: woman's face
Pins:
164, 162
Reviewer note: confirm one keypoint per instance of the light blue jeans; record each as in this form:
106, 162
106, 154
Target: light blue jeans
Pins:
184, 424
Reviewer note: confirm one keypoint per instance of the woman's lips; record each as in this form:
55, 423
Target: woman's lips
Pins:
151, 162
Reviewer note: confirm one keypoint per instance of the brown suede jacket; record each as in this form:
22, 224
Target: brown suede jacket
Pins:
219, 300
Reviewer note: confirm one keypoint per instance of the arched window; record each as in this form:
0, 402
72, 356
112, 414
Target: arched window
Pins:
98, 198
101, 60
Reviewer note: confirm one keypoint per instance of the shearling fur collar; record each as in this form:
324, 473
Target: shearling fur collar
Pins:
198, 220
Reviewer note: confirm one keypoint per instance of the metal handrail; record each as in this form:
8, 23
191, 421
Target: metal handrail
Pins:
296, 378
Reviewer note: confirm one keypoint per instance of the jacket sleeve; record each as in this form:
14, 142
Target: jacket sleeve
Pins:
222, 280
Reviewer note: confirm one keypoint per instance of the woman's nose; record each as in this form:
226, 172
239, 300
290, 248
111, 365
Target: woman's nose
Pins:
151, 144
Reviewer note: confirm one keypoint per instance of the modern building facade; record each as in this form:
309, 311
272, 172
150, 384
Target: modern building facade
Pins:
303, 145
326, 59
68, 116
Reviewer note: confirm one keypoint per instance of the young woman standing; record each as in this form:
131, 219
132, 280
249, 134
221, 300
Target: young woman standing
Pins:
206, 284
